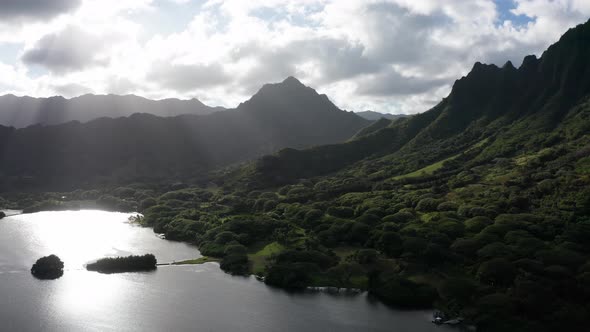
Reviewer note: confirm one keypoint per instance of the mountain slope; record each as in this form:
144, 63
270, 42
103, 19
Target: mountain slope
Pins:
144, 146
487, 103
479, 206
21, 112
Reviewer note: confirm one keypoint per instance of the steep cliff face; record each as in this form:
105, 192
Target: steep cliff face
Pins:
490, 102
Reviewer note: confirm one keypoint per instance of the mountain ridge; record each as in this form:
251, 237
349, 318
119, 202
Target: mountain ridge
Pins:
483, 102
143, 145
24, 111
375, 116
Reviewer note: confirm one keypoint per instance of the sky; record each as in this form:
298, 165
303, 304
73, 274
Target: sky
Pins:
391, 56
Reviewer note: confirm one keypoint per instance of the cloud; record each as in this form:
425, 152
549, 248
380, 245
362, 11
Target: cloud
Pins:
23, 10
72, 90
386, 55
183, 77
68, 50
392, 83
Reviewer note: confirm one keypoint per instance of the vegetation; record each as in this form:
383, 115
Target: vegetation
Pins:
48, 267
197, 261
146, 262
2, 214
479, 207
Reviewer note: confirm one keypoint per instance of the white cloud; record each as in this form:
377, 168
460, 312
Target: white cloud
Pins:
385, 55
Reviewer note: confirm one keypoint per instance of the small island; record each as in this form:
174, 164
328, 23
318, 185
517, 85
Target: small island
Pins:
48, 267
132, 263
2, 214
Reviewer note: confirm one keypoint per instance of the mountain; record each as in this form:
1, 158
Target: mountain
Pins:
507, 107
144, 146
479, 206
22, 112
374, 116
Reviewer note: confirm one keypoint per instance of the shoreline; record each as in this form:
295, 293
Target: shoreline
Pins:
326, 289
11, 213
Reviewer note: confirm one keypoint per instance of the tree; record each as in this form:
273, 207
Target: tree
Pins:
147, 203
390, 243
48, 267
343, 272
366, 256
458, 290
235, 263
494, 250
427, 205
497, 271
294, 276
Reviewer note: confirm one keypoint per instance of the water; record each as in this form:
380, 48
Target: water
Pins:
173, 298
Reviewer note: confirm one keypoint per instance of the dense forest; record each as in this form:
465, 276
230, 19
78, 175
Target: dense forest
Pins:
131, 263
48, 267
479, 207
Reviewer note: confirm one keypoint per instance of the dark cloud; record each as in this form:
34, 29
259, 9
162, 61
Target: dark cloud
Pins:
188, 77
71, 49
397, 37
400, 36
337, 59
23, 10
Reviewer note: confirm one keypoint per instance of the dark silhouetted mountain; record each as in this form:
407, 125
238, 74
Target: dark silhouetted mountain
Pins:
506, 106
144, 146
374, 116
21, 112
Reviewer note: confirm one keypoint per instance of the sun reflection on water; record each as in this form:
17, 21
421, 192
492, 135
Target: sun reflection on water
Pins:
80, 237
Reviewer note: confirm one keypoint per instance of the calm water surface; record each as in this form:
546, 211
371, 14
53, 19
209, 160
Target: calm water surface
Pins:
175, 298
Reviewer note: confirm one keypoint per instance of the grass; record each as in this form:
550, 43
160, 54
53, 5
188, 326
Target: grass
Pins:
522, 160
583, 166
200, 260
430, 169
344, 252
258, 258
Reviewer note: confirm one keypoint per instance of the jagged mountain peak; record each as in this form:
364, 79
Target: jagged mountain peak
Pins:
288, 85
508, 66
288, 96
292, 81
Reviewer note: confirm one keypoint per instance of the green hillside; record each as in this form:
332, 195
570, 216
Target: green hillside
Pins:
479, 206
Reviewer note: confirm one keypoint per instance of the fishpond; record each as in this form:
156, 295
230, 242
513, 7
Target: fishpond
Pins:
172, 298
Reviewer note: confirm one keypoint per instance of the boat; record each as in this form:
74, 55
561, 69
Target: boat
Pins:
438, 318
